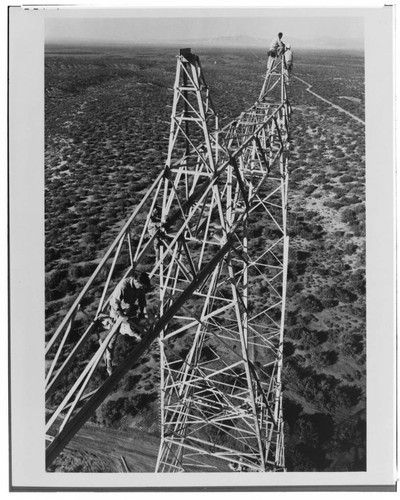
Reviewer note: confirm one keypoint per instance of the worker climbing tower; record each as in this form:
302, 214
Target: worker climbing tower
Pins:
211, 233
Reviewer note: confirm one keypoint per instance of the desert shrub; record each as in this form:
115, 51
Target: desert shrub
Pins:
51, 254
53, 279
311, 231
310, 189
66, 286
255, 231
311, 304
346, 396
339, 192
322, 336
297, 176
304, 457
288, 349
333, 204
352, 345
328, 292
312, 215
82, 271
291, 410
318, 390
352, 200
306, 432
302, 255
330, 357
91, 238
304, 319
143, 400
357, 282
358, 228
293, 288
309, 339
111, 412
57, 285
291, 318
271, 232
314, 430
321, 359
319, 178
345, 295
295, 269
328, 303
360, 208
349, 216
346, 178
350, 248
131, 382
297, 332
350, 432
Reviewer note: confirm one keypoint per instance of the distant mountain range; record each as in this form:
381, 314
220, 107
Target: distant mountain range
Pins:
234, 41
249, 41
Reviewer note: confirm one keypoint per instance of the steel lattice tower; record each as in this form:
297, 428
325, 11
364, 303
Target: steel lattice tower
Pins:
222, 398
222, 293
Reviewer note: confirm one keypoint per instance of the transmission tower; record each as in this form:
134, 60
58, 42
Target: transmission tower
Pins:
219, 261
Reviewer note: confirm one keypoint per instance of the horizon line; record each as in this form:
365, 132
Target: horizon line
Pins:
199, 42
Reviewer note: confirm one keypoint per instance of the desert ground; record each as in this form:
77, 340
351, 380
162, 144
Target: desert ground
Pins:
107, 112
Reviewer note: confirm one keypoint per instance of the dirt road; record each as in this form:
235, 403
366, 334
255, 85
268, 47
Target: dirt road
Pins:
138, 449
309, 86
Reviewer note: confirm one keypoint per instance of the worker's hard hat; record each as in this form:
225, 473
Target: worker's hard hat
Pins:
288, 45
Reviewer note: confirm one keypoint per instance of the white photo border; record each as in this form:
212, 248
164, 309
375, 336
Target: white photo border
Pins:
26, 271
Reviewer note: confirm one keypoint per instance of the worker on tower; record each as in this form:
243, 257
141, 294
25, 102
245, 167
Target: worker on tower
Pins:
276, 48
128, 302
288, 60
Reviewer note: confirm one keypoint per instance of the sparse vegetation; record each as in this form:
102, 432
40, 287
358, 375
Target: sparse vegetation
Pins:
106, 135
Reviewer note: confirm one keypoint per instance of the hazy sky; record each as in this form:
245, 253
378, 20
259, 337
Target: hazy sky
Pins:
202, 25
